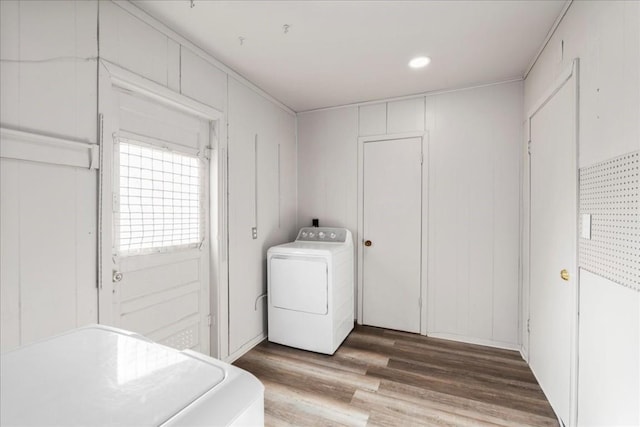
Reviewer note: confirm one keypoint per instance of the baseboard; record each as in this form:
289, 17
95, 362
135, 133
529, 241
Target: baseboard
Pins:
245, 348
477, 341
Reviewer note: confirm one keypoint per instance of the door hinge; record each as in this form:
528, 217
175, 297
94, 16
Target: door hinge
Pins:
96, 150
100, 128
207, 152
209, 320
529, 147
115, 202
420, 302
529, 325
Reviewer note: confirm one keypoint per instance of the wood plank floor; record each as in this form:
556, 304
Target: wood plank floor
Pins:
380, 377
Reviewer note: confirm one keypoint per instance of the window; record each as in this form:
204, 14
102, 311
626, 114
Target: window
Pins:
159, 199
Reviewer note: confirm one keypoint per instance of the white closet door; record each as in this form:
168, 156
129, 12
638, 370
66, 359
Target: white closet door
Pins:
393, 225
553, 246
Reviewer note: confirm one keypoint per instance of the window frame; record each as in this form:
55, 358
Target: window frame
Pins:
155, 144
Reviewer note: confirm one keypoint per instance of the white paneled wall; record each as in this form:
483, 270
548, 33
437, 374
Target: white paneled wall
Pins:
392, 117
48, 243
606, 38
405, 116
261, 146
137, 46
48, 250
327, 168
609, 351
48, 68
473, 163
372, 119
473, 213
202, 81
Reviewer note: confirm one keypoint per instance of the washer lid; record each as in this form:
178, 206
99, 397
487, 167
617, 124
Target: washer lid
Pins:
100, 376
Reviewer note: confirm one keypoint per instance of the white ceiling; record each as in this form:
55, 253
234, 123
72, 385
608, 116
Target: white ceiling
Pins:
342, 52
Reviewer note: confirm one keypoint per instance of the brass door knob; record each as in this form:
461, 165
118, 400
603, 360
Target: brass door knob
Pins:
367, 242
564, 274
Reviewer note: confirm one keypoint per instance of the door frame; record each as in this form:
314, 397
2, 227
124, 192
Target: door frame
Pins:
110, 78
359, 238
572, 71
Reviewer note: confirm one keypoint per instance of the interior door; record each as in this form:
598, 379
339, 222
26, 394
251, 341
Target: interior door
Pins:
392, 230
160, 244
553, 246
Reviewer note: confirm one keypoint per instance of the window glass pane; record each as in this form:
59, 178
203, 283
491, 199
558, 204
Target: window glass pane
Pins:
160, 199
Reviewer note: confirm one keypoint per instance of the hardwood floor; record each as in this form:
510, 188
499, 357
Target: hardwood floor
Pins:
380, 377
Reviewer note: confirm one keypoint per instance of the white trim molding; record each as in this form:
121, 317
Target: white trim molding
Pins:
473, 340
560, 81
244, 349
127, 80
42, 148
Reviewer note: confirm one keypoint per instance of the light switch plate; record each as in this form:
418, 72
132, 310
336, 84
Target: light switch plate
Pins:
585, 230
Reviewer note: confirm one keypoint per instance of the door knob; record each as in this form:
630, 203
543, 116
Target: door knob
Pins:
367, 242
564, 274
117, 276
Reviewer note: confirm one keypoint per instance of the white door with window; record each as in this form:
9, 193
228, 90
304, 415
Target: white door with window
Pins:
553, 276
158, 229
392, 234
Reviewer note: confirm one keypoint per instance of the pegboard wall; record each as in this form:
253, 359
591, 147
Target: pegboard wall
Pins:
609, 193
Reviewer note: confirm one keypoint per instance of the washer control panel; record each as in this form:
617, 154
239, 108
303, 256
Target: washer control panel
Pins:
322, 234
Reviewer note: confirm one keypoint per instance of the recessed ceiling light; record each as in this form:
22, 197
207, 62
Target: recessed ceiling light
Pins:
419, 62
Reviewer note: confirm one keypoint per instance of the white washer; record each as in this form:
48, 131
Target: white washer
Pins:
98, 376
311, 290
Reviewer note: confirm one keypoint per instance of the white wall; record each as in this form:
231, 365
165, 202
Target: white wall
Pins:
272, 187
605, 35
609, 353
48, 67
48, 207
473, 197
327, 168
473, 214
